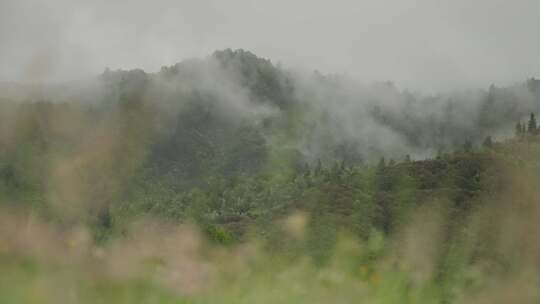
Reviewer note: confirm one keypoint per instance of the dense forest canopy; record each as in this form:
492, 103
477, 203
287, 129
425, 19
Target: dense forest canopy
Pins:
300, 166
328, 117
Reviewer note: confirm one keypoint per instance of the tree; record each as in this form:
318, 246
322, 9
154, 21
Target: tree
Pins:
407, 158
318, 169
440, 153
488, 142
467, 146
532, 124
519, 129
381, 164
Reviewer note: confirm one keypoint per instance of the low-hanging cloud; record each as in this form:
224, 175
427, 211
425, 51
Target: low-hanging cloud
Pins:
427, 45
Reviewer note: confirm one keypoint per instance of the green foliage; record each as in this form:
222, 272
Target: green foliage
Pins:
239, 178
531, 126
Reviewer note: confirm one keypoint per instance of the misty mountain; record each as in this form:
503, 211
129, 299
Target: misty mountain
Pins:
232, 111
334, 117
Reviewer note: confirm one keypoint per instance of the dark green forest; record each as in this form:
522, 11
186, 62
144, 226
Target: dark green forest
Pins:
230, 179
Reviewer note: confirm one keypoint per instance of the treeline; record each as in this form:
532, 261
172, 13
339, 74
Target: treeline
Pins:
250, 153
233, 140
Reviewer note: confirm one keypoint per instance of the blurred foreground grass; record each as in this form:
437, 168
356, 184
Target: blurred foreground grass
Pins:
154, 263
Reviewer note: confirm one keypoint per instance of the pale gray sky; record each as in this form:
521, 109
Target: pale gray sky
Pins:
419, 44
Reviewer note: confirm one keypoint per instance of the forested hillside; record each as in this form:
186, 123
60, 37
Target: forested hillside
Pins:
224, 178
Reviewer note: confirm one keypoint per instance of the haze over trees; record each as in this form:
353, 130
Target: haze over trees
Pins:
347, 190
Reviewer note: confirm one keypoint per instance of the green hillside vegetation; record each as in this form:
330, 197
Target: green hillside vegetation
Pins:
231, 180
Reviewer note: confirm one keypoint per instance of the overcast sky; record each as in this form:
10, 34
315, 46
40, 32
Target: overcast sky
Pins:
419, 44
